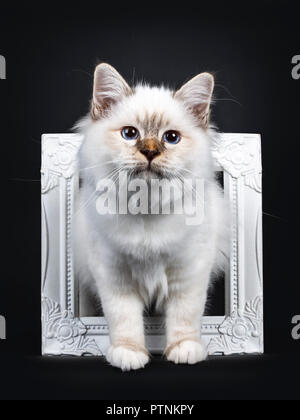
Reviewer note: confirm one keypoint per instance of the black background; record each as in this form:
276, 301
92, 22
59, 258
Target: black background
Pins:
51, 52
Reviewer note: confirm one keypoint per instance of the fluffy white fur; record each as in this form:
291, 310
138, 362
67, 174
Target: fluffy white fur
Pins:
129, 261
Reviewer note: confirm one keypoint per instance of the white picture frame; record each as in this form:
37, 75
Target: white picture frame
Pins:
240, 330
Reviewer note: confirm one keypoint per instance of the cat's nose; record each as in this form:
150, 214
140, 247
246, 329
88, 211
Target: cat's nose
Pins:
150, 153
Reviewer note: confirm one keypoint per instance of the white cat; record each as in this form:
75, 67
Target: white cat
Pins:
131, 260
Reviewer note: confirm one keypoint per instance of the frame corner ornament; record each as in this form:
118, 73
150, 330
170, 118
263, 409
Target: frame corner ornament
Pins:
59, 159
240, 156
67, 333
236, 331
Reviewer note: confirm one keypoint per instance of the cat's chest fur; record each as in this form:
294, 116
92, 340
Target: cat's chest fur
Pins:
143, 247
138, 239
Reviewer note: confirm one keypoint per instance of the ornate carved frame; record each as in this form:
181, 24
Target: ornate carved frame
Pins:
239, 331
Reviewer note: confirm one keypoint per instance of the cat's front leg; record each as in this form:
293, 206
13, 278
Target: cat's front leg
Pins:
123, 310
184, 312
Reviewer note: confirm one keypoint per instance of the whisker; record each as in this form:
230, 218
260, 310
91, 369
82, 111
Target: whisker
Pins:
24, 180
186, 170
113, 173
83, 72
33, 140
228, 100
98, 166
86, 203
228, 92
191, 187
274, 216
107, 163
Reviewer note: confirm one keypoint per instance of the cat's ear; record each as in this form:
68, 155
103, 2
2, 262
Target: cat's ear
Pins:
109, 88
197, 96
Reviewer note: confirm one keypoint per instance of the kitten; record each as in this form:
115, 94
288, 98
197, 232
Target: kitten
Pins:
130, 260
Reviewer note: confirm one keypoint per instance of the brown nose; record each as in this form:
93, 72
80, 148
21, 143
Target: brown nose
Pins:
150, 154
150, 148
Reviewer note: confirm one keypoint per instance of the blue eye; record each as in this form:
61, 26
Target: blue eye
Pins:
172, 137
130, 133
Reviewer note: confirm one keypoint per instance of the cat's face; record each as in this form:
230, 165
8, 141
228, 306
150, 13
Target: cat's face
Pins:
149, 132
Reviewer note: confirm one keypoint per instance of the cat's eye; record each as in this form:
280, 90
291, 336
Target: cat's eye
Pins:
172, 137
130, 133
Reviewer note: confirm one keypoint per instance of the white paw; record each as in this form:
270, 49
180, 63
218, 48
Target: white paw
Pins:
126, 359
189, 352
